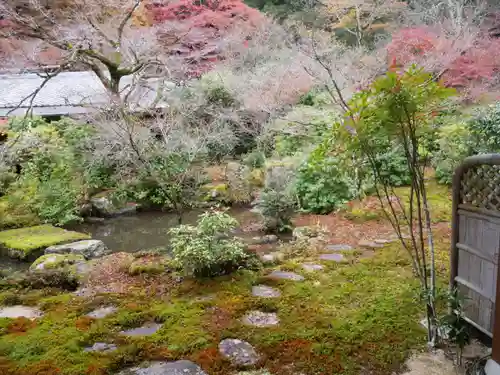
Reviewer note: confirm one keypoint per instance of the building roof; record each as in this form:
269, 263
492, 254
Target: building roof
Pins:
65, 94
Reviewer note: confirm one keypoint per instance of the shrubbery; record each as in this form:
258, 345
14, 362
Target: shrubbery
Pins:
209, 249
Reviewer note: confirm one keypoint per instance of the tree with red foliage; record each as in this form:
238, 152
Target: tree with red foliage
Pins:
205, 24
468, 61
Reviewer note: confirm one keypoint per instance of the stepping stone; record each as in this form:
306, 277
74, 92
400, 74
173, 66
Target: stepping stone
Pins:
341, 247
272, 257
102, 312
309, 267
19, 311
257, 372
182, 367
265, 291
370, 244
332, 257
239, 352
261, 319
145, 330
101, 347
282, 275
381, 241
267, 239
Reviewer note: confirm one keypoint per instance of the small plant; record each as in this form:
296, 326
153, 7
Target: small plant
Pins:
453, 324
208, 249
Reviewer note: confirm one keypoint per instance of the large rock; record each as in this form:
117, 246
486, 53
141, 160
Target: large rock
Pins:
103, 206
166, 368
28, 242
89, 249
239, 352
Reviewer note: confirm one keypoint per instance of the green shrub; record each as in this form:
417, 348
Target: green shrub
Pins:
208, 249
323, 185
254, 159
393, 167
454, 145
276, 202
485, 129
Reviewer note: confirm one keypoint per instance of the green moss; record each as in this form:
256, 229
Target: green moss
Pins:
53, 261
22, 242
148, 265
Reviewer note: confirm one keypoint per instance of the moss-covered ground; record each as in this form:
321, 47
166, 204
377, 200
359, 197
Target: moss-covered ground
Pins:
356, 317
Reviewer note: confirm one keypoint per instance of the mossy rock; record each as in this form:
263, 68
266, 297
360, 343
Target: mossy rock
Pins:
22, 243
53, 261
218, 192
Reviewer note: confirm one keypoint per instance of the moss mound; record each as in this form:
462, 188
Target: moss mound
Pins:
21, 243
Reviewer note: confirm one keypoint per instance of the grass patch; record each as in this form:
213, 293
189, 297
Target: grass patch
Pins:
20, 243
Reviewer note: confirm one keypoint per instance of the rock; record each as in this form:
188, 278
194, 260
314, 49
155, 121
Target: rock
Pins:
239, 352
309, 267
101, 347
261, 319
339, 247
306, 232
286, 276
102, 312
105, 207
257, 372
145, 330
28, 242
272, 258
182, 367
332, 257
19, 311
369, 244
89, 249
267, 239
55, 261
265, 291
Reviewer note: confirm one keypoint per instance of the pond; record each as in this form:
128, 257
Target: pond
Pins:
141, 231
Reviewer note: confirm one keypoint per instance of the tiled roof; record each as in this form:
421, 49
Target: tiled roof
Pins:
66, 93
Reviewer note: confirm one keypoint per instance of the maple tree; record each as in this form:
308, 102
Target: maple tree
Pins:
468, 61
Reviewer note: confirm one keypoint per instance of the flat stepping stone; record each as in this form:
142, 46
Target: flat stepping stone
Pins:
282, 275
261, 319
310, 267
20, 311
145, 330
239, 352
257, 372
265, 291
370, 244
101, 347
339, 247
270, 258
332, 257
381, 241
102, 312
182, 367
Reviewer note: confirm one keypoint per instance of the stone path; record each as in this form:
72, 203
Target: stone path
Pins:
265, 291
102, 312
239, 352
332, 257
20, 311
311, 267
101, 347
145, 330
166, 368
261, 319
286, 276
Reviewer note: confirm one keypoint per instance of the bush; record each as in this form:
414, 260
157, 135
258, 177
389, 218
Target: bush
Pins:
208, 249
454, 145
323, 185
485, 129
393, 166
254, 159
276, 202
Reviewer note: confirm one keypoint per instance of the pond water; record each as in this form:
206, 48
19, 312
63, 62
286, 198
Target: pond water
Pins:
141, 231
